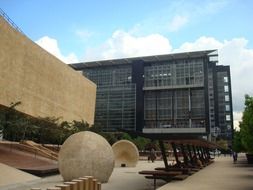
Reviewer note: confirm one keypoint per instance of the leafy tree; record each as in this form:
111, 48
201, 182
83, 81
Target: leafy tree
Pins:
246, 126
12, 122
17, 126
153, 145
237, 142
222, 143
126, 136
110, 137
96, 128
79, 126
141, 142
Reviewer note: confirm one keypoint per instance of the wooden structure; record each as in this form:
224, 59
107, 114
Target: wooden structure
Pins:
194, 150
82, 183
40, 150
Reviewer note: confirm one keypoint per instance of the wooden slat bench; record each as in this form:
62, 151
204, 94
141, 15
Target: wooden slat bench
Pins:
183, 170
161, 173
165, 178
180, 177
155, 174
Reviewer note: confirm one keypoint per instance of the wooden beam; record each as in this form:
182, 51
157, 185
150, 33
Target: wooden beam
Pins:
162, 148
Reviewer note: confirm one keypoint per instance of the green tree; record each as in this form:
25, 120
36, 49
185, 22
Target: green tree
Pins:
237, 142
110, 137
246, 125
222, 143
126, 136
13, 122
141, 142
78, 126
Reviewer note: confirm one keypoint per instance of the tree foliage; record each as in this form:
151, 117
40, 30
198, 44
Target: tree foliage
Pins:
246, 126
17, 126
237, 142
223, 144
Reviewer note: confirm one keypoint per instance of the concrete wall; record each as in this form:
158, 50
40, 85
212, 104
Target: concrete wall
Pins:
44, 84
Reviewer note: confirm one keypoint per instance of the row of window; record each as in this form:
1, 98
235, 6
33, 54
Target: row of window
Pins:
176, 104
115, 107
180, 73
111, 76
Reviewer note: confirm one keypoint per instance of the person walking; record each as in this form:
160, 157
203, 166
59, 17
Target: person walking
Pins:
152, 155
235, 157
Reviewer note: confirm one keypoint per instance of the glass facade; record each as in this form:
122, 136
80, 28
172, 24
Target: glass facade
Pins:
185, 91
115, 101
174, 94
115, 107
181, 73
179, 108
109, 76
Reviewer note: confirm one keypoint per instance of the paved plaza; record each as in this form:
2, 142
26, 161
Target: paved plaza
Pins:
221, 175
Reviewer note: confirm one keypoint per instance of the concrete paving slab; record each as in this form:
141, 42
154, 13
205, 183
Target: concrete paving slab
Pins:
121, 179
221, 175
129, 178
12, 176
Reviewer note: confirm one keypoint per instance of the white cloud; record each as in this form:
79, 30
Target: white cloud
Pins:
123, 44
203, 43
237, 119
51, 45
240, 58
177, 23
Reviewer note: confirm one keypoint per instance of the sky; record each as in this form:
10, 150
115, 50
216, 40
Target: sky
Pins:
82, 30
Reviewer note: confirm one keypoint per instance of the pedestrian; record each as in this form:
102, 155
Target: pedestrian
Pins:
152, 155
235, 157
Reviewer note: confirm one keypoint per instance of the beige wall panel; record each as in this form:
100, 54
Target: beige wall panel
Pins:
44, 84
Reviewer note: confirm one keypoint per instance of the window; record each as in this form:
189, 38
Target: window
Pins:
225, 79
226, 88
226, 98
228, 118
227, 108
213, 58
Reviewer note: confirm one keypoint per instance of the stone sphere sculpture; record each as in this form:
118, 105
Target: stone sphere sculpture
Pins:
86, 154
126, 154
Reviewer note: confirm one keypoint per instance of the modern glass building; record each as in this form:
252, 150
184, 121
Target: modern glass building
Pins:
174, 93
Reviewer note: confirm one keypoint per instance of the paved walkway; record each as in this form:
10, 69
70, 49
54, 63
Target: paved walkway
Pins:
121, 179
130, 179
222, 175
10, 176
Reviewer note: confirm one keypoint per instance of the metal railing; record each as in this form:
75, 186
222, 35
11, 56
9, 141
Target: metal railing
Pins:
8, 19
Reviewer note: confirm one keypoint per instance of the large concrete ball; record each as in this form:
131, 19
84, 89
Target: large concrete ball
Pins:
86, 154
125, 153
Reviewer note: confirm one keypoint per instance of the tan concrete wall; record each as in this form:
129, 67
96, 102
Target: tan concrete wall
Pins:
44, 84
